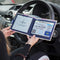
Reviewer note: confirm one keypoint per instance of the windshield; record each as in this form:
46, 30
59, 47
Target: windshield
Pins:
54, 1
24, 1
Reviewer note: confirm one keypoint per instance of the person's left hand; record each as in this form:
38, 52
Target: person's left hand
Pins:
32, 41
7, 32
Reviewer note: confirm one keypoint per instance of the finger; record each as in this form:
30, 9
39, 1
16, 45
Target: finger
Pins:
28, 37
36, 39
7, 28
33, 37
12, 32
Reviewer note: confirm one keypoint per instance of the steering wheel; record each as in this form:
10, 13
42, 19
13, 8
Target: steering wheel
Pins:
39, 4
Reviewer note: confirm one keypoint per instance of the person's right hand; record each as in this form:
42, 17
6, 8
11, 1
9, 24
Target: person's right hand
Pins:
32, 40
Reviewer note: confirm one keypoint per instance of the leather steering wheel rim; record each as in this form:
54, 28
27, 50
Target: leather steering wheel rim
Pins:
51, 14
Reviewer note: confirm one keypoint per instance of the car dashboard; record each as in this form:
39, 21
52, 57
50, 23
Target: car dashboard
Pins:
9, 11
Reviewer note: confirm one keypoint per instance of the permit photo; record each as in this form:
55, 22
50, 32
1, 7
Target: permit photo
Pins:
42, 28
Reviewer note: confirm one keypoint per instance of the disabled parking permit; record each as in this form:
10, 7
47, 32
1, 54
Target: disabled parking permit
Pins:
42, 28
22, 23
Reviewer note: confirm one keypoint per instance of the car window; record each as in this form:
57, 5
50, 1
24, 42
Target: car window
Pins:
54, 1
2, 0
24, 1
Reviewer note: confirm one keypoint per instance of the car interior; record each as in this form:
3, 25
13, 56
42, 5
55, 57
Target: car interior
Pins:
40, 8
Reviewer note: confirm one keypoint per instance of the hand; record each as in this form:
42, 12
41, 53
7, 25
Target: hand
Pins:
7, 31
32, 40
